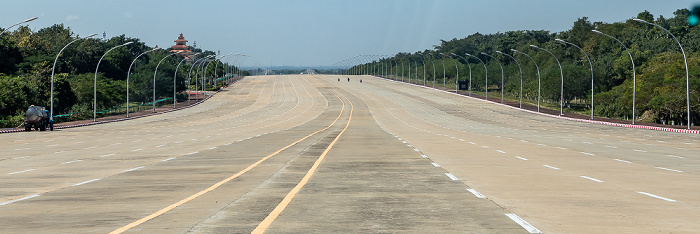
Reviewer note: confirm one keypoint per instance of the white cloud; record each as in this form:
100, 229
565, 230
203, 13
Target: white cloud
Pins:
72, 17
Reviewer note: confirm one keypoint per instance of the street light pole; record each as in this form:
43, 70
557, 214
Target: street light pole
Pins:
561, 97
189, 80
94, 104
486, 74
470, 72
53, 69
687, 76
457, 77
26, 21
634, 75
589, 62
444, 74
502, 74
538, 77
521, 76
128, 73
154, 78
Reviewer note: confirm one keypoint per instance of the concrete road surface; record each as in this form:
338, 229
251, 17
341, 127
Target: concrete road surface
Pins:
309, 153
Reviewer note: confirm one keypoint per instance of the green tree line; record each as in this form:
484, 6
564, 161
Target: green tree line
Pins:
660, 69
26, 62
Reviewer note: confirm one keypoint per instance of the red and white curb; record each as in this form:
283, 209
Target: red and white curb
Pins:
561, 117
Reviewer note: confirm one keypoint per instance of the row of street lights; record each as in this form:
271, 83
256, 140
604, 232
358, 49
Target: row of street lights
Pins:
352, 62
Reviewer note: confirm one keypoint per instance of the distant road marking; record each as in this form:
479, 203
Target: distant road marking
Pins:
212, 148
117, 143
477, 194
58, 152
234, 176
158, 146
501, 151
23, 149
483, 146
586, 142
451, 176
620, 160
640, 151
674, 156
435, 164
107, 155
668, 169
22, 157
587, 153
137, 140
541, 144
461, 139
655, 196
90, 147
52, 145
192, 153
414, 149
17, 172
561, 148
165, 160
523, 140
548, 166
404, 142
136, 150
20, 199
521, 158
89, 181
610, 146
593, 179
472, 143
133, 169
527, 226
74, 161
423, 155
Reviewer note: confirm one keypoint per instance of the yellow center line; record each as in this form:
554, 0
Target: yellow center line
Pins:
190, 198
265, 224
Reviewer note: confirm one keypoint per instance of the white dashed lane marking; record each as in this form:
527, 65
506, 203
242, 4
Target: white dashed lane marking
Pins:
527, 226
17, 172
674, 156
548, 166
521, 158
655, 196
435, 164
593, 179
107, 155
69, 162
133, 169
620, 160
136, 150
668, 169
477, 194
501, 151
21, 199
451, 176
89, 181
590, 154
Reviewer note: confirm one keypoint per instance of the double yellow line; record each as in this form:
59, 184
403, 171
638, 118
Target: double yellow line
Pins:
287, 199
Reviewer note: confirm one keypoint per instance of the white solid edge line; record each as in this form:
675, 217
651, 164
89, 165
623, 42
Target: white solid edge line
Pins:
593, 179
527, 226
477, 194
655, 196
451, 176
20, 199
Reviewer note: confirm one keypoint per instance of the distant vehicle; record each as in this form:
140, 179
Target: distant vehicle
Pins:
37, 117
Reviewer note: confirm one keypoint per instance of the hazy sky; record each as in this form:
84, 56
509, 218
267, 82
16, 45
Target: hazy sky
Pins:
318, 32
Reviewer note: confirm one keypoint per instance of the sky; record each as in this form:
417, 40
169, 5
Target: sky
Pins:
318, 32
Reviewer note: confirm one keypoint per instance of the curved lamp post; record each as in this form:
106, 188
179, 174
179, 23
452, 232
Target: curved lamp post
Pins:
422, 61
94, 104
521, 75
175, 77
154, 78
128, 73
589, 62
687, 79
502, 74
634, 75
457, 77
470, 72
189, 79
486, 74
538, 77
26, 21
53, 69
561, 97
444, 74
432, 61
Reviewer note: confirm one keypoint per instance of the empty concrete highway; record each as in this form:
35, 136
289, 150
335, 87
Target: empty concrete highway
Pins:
309, 153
